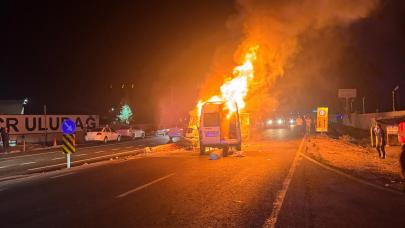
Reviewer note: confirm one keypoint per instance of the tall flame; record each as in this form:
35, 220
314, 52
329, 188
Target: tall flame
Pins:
235, 89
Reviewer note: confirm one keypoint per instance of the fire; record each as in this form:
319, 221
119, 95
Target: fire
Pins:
235, 89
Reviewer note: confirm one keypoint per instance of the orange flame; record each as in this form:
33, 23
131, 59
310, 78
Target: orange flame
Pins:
234, 90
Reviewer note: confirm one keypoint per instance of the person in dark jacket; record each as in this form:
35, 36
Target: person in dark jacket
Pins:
380, 144
4, 138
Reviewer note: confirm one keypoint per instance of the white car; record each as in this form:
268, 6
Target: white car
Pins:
131, 132
104, 134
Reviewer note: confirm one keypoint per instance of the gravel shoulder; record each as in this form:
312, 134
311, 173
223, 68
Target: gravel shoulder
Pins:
358, 161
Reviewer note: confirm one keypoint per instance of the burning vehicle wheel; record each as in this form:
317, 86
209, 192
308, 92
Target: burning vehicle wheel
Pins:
225, 151
105, 140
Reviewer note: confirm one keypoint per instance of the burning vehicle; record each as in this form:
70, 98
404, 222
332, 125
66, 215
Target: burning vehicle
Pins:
219, 121
218, 129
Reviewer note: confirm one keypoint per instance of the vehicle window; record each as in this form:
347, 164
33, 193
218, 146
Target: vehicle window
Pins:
211, 119
108, 130
95, 130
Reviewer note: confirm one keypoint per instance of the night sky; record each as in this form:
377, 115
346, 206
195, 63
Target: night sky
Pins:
67, 54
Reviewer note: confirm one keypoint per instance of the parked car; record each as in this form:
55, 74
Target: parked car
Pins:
175, 132
104, 134
161, 132
192, 132
131, 132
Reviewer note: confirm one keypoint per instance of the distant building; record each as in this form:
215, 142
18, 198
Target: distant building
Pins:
11, 107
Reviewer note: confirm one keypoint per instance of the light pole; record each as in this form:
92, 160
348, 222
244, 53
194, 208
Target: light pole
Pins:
25, 102
364, 109
393, 97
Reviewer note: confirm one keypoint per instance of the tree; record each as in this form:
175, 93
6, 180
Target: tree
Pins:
125, 115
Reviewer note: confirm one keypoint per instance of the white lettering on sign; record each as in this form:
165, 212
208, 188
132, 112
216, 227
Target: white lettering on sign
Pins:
28, 124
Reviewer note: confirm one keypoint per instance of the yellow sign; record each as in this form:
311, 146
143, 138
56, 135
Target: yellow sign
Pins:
68, 146
322, 119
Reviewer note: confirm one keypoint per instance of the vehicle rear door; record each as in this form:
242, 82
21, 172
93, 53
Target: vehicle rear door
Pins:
210, 128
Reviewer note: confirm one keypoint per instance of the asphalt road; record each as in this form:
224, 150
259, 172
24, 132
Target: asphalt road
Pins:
12, 165
270, 185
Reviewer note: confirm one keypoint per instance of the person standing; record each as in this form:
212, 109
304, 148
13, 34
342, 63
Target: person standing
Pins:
308, 123
401, 139
299, 123
380, 144
4, 138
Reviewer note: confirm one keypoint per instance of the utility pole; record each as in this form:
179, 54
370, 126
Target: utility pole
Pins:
351, 105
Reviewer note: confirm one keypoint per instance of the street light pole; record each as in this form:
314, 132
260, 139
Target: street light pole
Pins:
364, 109
393, 97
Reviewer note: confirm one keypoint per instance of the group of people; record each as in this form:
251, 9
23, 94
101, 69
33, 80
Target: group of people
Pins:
5, 138
304, 124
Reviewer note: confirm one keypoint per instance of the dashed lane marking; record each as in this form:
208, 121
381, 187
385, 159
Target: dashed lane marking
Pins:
53, 159
83, 160
278, 203
115, 149
79, 155
62, 175
128, 147
27, 163
24, 156
144, 186
3, 167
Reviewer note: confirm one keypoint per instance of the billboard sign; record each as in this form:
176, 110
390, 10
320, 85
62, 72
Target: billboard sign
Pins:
35, 124
322, 119
347, 93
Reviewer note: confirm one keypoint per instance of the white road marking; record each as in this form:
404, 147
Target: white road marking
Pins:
278, 203
128, 147
27, 163
87, 159
144, 186
62, 175
58, 151
349, 176
115, 149
101, 151
28, 155
53, 159
80, 155
3, 167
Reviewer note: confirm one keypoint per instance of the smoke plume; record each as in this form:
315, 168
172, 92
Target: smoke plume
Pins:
276, 26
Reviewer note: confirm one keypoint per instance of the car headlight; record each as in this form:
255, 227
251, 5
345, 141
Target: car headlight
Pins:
291, 121
280, 121
270, 122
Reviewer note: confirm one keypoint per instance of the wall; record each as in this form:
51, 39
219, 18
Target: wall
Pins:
363, 121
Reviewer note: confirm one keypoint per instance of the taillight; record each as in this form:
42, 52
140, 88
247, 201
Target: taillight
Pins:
98, 133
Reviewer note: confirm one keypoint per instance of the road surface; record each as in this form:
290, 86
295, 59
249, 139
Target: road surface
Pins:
270, 186
13, 165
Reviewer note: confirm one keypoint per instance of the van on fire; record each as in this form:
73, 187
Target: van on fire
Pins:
217, 129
